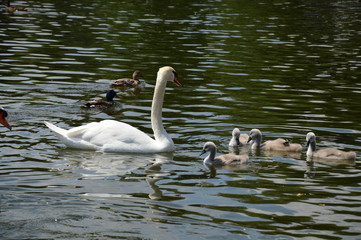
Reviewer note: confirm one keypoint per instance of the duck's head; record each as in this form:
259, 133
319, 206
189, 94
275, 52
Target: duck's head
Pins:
169, 74
208, 147
3, 115
110, 95
137, 75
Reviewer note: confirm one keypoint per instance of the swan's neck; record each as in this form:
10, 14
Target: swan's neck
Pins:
160, 134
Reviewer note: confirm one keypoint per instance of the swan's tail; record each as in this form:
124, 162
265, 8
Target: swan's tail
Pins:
59, 131
63, 135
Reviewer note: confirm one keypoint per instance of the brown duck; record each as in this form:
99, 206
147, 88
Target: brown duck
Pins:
101, 103
128, 82
10, 8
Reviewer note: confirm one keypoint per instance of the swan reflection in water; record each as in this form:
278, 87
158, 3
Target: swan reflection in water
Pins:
154, 173
98, 166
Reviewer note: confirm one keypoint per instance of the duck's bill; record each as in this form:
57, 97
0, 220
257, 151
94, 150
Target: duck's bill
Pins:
176, 82
5, 123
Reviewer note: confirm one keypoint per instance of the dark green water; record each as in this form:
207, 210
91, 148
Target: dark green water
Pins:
285, 67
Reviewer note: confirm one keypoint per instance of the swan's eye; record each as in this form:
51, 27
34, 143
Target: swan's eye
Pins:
175, 74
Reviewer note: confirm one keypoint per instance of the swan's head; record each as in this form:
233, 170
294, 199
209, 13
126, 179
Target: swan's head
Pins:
254, 134
208, 147
169, 74
110, 95
137, 75
3, 115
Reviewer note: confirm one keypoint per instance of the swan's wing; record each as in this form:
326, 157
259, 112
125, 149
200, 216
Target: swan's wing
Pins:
111, 133
71, 138
107, 135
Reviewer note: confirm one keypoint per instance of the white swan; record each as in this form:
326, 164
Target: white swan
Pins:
114, 136
325, 153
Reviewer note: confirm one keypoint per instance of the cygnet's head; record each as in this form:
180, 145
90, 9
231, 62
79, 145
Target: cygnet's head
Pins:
254, 134
311, 141
208, 147
169, 74
235, 137
236, 133
310, 138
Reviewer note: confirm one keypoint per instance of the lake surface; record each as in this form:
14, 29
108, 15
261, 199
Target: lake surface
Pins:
285, 67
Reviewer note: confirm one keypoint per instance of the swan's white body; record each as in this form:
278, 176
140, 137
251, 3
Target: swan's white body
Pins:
114, 136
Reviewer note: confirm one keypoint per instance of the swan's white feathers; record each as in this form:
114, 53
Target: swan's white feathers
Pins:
106, 135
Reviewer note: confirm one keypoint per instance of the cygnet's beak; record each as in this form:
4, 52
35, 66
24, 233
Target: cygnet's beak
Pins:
249, 139
203, 152
308, 143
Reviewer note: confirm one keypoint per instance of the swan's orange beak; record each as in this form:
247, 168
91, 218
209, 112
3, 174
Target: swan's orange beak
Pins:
4, 122
176, 82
